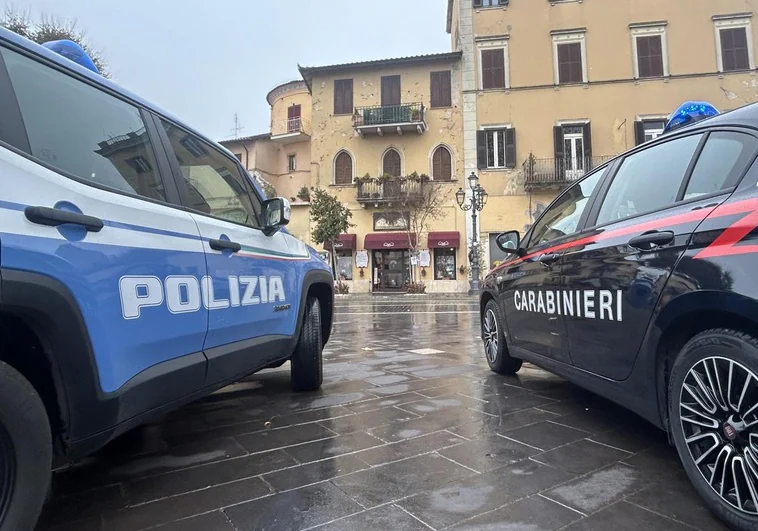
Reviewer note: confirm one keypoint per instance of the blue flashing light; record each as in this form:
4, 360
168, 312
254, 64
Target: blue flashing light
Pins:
689, 113
73, 52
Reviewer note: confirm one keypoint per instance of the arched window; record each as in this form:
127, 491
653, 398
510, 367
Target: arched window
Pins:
442, 164
343, 168
391, 163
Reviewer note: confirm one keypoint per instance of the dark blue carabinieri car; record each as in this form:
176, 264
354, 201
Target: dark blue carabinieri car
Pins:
640, 283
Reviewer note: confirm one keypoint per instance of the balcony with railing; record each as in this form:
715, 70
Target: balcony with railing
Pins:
291, 130
381, 119
386, 192
559, 172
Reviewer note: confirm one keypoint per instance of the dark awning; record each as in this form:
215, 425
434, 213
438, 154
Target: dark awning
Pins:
388, 240
444, 239
344, 242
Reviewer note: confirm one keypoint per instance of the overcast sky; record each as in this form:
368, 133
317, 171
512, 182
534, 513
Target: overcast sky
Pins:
205, 60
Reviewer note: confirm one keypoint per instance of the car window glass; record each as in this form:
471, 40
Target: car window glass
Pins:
82, 130
214, 182
562, 217
721, 163
648, 180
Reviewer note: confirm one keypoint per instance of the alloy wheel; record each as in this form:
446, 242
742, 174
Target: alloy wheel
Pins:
718, 406
490, 336
7, 472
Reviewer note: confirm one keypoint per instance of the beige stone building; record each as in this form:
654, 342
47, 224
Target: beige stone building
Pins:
552, 88
534, 94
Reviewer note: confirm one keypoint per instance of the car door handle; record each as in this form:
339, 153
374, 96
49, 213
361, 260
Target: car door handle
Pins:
548, 259
54, 217
224, 245
651, 239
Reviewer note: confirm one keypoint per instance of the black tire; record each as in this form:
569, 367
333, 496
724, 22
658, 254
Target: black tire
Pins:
493, 336
725, 355
306, 365
25, 452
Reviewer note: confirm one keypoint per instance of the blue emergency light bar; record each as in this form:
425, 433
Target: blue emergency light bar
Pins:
73, 52
689, 113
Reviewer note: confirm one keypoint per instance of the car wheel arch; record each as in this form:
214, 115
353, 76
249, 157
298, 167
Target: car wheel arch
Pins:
685, 317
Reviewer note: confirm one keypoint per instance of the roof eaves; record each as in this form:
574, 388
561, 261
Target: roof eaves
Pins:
308, 71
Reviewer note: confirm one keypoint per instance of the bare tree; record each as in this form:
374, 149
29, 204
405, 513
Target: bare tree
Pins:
424, 203
49, 28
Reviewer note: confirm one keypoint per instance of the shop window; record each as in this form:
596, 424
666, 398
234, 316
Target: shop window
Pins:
345, 265
444, 264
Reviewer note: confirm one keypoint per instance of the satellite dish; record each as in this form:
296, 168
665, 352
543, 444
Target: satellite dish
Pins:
688, 113
73, 52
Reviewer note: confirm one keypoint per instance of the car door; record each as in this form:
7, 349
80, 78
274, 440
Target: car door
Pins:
253, 279
637, 234
128, 245
529, 287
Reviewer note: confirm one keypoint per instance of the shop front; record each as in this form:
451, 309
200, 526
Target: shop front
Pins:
344, 249
391, 261
447, 277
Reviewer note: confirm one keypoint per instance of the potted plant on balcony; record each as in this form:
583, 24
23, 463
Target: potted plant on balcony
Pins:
304, 195
365, 179
416, 115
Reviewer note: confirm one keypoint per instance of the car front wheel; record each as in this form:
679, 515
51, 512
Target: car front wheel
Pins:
495, 349
713, 412
306, 364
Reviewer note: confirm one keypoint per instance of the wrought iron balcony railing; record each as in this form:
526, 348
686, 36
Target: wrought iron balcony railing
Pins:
391, 191
390, 118
559, 171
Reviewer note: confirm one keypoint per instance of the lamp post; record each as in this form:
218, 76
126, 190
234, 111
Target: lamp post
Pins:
475, 203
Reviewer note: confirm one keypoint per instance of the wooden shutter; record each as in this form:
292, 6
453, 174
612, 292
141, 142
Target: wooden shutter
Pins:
481, 149
343, 169
493, 68
510, 148
343, 96
587, 133
391, 164
442, 167
390, 91
650, 56
570, 63
734, 52
441, 94
639, 132
559, 151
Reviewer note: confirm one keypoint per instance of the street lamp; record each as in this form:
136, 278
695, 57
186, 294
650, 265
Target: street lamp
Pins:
475, 203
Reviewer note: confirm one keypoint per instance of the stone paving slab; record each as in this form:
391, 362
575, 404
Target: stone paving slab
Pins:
411, 431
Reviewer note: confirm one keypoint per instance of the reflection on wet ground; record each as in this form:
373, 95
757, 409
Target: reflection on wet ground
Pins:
410, 431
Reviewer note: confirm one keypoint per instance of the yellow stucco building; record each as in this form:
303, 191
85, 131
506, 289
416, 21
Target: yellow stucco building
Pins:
533, 95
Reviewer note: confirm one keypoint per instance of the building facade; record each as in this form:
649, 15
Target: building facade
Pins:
533, 95
553, 88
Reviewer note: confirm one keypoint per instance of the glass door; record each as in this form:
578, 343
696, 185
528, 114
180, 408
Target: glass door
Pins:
391, 270
573, 149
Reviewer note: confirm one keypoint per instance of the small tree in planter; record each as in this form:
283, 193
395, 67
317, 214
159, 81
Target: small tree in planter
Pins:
423, 204
304, 194
332, 218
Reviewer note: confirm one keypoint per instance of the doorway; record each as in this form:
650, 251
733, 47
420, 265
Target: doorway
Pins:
293, 119
573, 149
391, 270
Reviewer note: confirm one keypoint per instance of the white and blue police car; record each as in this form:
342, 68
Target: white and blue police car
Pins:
140, 268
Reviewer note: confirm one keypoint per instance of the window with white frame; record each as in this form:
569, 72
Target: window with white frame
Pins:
493, 65
569, 57
734, 43
496, 148
650, 50
291, 162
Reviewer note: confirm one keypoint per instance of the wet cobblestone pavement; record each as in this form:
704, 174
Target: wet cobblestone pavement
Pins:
410, 431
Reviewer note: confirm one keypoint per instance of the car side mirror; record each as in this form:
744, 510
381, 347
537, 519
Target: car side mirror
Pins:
508, 242
276, 214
